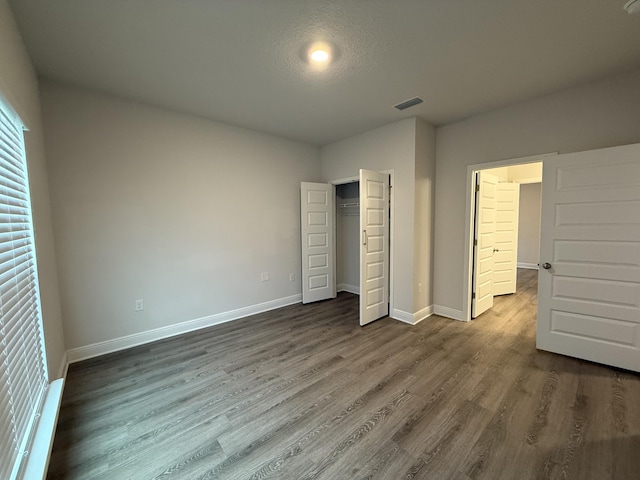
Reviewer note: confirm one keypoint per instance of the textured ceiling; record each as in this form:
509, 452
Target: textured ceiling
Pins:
243, 61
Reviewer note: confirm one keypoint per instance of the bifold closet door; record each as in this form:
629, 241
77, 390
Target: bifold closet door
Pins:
317, 231
374, 246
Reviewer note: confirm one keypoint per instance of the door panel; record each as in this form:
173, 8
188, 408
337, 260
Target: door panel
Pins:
589, 298
317, 227
505, 260
374, 246
484, 241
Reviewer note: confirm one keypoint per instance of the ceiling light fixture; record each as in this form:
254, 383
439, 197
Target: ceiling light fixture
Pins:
632, 6
319, 54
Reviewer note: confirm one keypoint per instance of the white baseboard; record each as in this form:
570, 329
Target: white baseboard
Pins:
530, 266
64, 366
344, 287
411, 318
449, 313
401, 316
420, 315
122, 343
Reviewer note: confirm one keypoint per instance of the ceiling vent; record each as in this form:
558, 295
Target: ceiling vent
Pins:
409, 103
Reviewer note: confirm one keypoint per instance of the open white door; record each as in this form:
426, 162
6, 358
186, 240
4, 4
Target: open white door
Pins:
317, 228
505, 260
374, 246
483, 243
589, 286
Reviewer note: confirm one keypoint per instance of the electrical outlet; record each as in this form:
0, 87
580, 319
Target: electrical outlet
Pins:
292, 277
264, 277
139, 305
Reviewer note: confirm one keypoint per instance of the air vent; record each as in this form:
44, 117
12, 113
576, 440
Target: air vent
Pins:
409, 103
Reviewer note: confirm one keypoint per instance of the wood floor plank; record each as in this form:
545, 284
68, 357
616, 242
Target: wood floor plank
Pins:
304, 392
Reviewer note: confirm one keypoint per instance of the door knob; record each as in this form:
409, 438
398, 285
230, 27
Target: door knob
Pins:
546, 266
495, 250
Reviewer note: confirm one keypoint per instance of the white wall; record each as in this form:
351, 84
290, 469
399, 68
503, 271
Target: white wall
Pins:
529, 224
525, 173
425, 171
384, 148
501, 172
407, 148
19, 86
591, 116
182, 212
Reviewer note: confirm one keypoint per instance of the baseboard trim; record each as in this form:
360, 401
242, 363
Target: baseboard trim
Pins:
128, 341
64, 366
530, 266
421, 314
344, 287
401, 316
449, 313
411, 318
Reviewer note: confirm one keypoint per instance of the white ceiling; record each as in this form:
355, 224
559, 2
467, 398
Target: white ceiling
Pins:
242, 61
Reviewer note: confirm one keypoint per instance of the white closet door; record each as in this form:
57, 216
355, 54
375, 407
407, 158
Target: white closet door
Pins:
317, 228
484, 243
505, 260
589, 286
374, 246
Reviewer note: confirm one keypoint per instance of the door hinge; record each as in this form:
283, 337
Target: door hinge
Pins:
475, 242
473, 295
477, 187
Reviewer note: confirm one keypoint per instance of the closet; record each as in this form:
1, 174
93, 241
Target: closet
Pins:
348, 237
345, 240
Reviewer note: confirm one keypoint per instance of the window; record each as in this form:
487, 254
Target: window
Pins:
23, 376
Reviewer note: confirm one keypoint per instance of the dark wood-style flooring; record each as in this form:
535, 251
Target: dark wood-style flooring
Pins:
303, 392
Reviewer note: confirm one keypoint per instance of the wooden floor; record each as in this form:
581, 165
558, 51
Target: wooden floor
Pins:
304, 392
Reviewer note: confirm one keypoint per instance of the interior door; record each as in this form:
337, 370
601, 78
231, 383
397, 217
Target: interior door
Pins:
317, 229
484, 243
505, 259
374, 246
589, 286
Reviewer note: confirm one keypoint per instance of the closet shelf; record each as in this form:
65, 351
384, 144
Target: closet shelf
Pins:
349, 209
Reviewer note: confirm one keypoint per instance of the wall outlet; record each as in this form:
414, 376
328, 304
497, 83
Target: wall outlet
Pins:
292, 277
264, 277
139, 305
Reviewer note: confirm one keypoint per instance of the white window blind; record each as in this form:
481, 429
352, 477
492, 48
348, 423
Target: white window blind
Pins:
22, 369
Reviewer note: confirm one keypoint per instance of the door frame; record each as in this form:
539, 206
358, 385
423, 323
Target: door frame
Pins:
342, 181
467, 269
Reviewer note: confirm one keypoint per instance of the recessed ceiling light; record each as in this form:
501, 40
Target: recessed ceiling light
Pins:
319, 55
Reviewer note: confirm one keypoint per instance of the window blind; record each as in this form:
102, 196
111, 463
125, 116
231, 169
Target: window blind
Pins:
23, 376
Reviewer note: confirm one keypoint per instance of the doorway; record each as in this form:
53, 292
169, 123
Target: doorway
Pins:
588, 303
503, 231
347, 237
